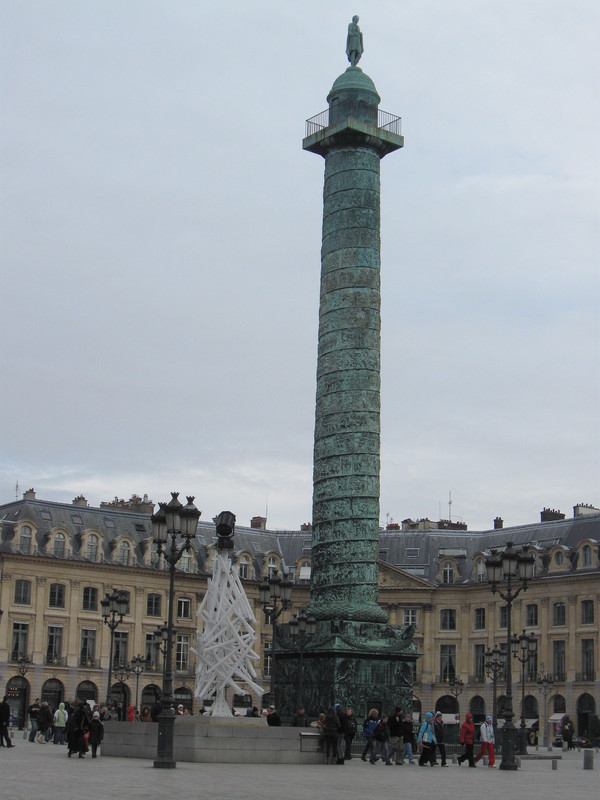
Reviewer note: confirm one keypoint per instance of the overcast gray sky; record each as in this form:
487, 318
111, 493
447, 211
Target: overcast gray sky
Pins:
161, 251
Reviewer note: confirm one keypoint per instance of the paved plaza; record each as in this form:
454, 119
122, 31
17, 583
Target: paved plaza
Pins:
34, 771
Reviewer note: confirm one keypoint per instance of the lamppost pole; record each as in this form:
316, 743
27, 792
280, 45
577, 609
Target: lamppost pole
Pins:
275, 594
494, 667
301, 627
545, 682
171, 520
137, 665
528, 647
122, 672
114, 608
508, 565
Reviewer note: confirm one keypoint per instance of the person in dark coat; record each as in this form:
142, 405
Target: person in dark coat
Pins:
440, 732
381, 737
33, 711
45, 720
408, 734
96, 733
273, 718
300, 720
77, 727
4, 723
155, 710
331, 730
467, 738
349, 733
341, 742
396, 736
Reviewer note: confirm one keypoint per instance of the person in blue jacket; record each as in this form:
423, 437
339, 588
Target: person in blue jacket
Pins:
426, 741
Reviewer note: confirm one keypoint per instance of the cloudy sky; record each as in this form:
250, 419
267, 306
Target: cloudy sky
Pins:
160, 252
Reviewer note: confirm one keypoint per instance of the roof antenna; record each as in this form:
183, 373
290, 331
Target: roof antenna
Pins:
17, 490
449, 506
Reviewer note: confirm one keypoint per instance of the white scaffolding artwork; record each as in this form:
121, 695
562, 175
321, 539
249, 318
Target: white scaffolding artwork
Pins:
224, 650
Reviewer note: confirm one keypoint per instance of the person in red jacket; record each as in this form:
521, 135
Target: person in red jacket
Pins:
467, 738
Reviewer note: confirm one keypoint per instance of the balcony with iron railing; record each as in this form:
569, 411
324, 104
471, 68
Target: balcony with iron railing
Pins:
385, 122
55, 661
19, 657
587, 676
89, 663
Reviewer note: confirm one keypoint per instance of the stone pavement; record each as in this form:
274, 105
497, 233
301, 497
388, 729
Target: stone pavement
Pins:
43, 772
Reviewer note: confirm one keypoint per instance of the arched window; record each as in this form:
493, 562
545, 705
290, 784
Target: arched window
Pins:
244, 567
530, 707
183, 696
477, 708
25, 539
447, 704
58, 545
559, 704
185, 562
586, 554
87, 691
480, 571
92, 547
53, 692
448, 573
124, 552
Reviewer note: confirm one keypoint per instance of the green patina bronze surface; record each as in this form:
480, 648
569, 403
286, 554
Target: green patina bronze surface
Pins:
355, 657
347, 425
352, 663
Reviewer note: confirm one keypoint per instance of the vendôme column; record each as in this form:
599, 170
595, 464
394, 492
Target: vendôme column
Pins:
352, 136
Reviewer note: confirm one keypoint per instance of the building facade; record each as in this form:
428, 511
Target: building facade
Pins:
58, 561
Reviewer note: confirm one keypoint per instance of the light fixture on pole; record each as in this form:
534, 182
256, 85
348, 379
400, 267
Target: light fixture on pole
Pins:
494, 668
171, 521
524, 649
455, 687
275, 595
301, 627
509, 566
137, 665
122, 671
114, 608
545, 681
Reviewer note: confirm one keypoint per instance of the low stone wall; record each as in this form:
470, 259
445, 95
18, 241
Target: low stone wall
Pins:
241, 740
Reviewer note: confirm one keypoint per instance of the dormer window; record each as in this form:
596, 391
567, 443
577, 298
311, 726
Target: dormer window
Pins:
124, 553
586, 556
448, 573
271, 566
244, 567
58, 545
25, 539
92, 547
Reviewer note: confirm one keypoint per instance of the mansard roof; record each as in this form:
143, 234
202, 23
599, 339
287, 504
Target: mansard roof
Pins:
417, 552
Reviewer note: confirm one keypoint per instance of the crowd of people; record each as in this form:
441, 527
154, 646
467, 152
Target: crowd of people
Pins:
392, 739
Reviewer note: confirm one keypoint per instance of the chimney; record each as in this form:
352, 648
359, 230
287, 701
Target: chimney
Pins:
80, 501
550, 515
29, 494
259, 522
306, 527
498, 523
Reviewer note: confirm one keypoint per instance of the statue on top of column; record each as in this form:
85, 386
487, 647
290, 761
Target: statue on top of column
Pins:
354, 42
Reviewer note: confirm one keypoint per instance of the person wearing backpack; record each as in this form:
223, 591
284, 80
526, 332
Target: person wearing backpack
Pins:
426, 741
369, 726
487, 739
396, 736
380, 738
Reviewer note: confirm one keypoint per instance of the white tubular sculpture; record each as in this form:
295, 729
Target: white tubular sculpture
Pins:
224, 650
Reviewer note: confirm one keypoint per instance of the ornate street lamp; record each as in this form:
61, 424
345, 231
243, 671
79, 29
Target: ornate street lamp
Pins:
114, 608
545, 682
524, 649
122, 672
301, 627
455, 687
159, 637
171, 521
24, 664
275, 595
508, 566
137, 666
494, 668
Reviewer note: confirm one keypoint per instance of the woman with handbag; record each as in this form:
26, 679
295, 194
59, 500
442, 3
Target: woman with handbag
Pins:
426, 741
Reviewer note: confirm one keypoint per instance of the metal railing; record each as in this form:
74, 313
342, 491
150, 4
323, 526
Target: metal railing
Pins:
16, 657
587, 675
385, 121
55, 661
90, 663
